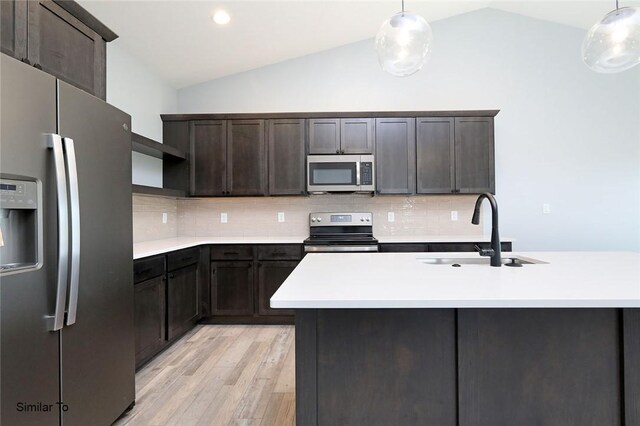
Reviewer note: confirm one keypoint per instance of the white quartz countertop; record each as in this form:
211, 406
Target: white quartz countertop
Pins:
398, 280
152, 248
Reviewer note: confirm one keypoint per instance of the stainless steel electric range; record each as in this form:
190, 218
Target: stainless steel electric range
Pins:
340, 232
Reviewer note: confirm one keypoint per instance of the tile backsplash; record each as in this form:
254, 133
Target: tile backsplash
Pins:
258, 216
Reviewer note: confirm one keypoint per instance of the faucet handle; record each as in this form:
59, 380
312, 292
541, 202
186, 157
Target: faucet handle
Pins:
484, 251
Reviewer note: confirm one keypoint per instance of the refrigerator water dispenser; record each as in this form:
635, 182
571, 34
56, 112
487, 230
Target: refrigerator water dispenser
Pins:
19, 222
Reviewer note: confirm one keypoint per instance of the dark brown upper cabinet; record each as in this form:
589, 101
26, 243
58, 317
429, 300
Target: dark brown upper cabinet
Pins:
208, 157
475, 161
286, 156
13, 33
246, 157
228, 157
395, 155
435, 155
341, 136
455, 155
58, 37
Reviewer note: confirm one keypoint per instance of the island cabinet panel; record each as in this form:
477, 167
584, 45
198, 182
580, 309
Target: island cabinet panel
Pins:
435, 155
385, 367
183, 300
232, 288
58, 43
286, 157
631, 339
246, 158
208, 157
395, 155
474, 157
539, 367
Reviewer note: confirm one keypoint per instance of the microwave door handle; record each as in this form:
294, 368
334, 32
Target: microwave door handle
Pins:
74, 204
358, 173
54, 142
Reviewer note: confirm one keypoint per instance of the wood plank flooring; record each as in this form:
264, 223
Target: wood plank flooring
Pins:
220, 375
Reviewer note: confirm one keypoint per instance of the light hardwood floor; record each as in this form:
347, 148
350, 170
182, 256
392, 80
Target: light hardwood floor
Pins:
219, 375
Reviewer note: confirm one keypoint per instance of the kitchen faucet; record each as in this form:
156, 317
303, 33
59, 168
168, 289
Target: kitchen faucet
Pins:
494, 251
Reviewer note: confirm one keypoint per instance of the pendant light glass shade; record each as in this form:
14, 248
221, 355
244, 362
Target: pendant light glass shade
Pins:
403, 44
613, 44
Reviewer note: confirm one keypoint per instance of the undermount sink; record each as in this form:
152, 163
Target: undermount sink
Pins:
461, 261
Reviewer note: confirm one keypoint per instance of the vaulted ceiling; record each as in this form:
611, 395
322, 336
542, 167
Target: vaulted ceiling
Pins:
179, 41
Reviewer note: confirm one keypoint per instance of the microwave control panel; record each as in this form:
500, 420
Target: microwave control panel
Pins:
366, 173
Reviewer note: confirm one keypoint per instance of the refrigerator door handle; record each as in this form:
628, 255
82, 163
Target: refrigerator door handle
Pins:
54, 142
74, 204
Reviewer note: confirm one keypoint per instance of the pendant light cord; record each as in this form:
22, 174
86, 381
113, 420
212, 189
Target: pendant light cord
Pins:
403, 6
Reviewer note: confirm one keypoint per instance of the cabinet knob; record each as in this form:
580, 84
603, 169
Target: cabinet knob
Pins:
38, 66
337, 151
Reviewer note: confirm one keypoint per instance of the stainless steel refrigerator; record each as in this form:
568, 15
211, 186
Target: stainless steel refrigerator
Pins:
66, 291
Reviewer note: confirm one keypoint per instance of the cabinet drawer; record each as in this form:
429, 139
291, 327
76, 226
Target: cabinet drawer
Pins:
182, 258
232, 252
280, 252
148, 268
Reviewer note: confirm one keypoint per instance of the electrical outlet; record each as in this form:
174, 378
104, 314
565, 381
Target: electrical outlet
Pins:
546, 208
164, 218
223, 218
454, 215
280, 216
391, 217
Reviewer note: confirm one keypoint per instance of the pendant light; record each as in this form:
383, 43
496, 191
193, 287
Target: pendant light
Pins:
403, 43
613, 44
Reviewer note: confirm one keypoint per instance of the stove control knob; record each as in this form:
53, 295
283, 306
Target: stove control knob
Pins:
319, 219
313, 219
368, 220
362, 219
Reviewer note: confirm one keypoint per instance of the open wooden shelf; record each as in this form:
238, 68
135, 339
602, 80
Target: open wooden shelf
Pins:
163, 192
155, 149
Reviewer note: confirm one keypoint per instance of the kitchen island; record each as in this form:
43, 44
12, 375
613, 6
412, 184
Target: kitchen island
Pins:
398, 338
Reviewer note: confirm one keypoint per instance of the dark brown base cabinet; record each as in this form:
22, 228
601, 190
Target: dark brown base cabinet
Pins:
232, 287
243, 279
168, 300
271, 275
182, 300
150, 313
468, 367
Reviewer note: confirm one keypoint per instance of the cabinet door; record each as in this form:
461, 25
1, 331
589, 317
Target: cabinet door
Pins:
149, 319
232, 288
63, 46
475, 168
271, 275
324, 136
286, 157
13, 33
395, 155
356, 135
208, 157
435, 155
182, 303
246, 158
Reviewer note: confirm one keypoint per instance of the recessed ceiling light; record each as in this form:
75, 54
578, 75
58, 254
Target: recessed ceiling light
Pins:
221, 17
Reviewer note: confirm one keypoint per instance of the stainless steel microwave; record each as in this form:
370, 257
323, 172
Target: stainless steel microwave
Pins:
340, 173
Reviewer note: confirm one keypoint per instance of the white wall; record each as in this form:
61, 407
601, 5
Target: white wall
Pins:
565, 135
138, 91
